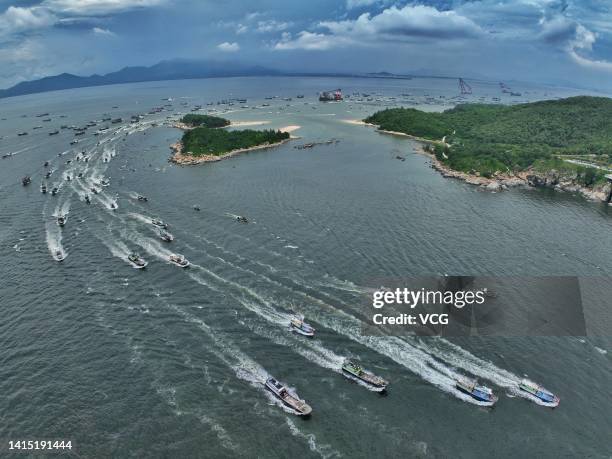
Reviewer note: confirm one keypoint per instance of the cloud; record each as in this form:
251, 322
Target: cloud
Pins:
272, 26
98, 7
241, 28
392, 24
228, 47
17, 19
104, 32
307, 40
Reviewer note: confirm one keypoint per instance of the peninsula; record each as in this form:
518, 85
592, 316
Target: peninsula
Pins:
203, 141
564, 144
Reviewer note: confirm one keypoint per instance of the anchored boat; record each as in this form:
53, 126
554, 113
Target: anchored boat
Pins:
298, 325
288, 397
480, 393
539, 392
179, 260
352, 370
136, 261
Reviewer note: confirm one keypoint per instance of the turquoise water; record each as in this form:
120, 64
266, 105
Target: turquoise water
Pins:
169, 362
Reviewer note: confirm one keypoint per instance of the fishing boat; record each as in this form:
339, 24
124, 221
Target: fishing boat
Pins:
136, 261
480, 393
287, 397
59, 256
159, 223
179, 260
544, 395
142, 198
25, 181
43, 188
298, 325
352, 370
54, 191
165, 236
61, 220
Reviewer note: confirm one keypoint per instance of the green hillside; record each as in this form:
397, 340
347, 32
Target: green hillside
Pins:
489, 138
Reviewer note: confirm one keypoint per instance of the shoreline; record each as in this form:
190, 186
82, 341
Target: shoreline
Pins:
500, 182
187, 127
185, 158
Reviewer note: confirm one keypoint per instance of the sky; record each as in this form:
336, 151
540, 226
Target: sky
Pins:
566, 42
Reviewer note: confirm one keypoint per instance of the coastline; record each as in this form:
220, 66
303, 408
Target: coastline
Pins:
185, 158
528, 178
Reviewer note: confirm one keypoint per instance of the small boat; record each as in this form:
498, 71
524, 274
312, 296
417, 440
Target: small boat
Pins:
54, 191
74, 142
352, 370
480, 393
196, 208
159, 223
43, 188
136, 261
59, 256
539, 392
142, 198
61, 220
113, 206
165, 236
179, 260
289, 398
94, 190
25, 181
46, 164
87, 199
242, 219
54, 133
48, 174
22, 134
298, 325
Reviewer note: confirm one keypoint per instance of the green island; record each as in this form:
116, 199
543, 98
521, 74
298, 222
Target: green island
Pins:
217, 142
572, 137
208, 121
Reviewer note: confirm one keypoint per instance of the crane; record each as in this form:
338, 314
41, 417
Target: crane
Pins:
464, 87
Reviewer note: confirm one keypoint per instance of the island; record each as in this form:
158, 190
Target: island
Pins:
565, 144
203, 141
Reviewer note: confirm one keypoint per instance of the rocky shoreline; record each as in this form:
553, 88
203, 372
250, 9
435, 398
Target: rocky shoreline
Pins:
528, 178
499, 182
186, 158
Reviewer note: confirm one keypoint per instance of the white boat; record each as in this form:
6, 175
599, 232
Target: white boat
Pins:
298, 325
61, 220
179, 260
289, 398
166, 236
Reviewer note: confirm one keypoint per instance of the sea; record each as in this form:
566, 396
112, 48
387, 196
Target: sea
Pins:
170, 362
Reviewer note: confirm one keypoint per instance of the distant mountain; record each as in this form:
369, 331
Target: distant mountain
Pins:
165, 70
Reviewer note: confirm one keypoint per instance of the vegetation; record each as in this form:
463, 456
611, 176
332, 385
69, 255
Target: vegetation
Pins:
206, 141
494, 138
204, 121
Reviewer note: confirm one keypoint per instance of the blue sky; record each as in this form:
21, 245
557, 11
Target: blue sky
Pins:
556, 41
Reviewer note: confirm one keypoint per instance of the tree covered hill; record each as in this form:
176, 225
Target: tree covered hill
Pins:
489, 138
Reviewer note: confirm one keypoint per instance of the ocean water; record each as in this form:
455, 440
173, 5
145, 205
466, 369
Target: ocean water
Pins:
165, 362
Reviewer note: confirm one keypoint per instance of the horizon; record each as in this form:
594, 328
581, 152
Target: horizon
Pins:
555, 42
